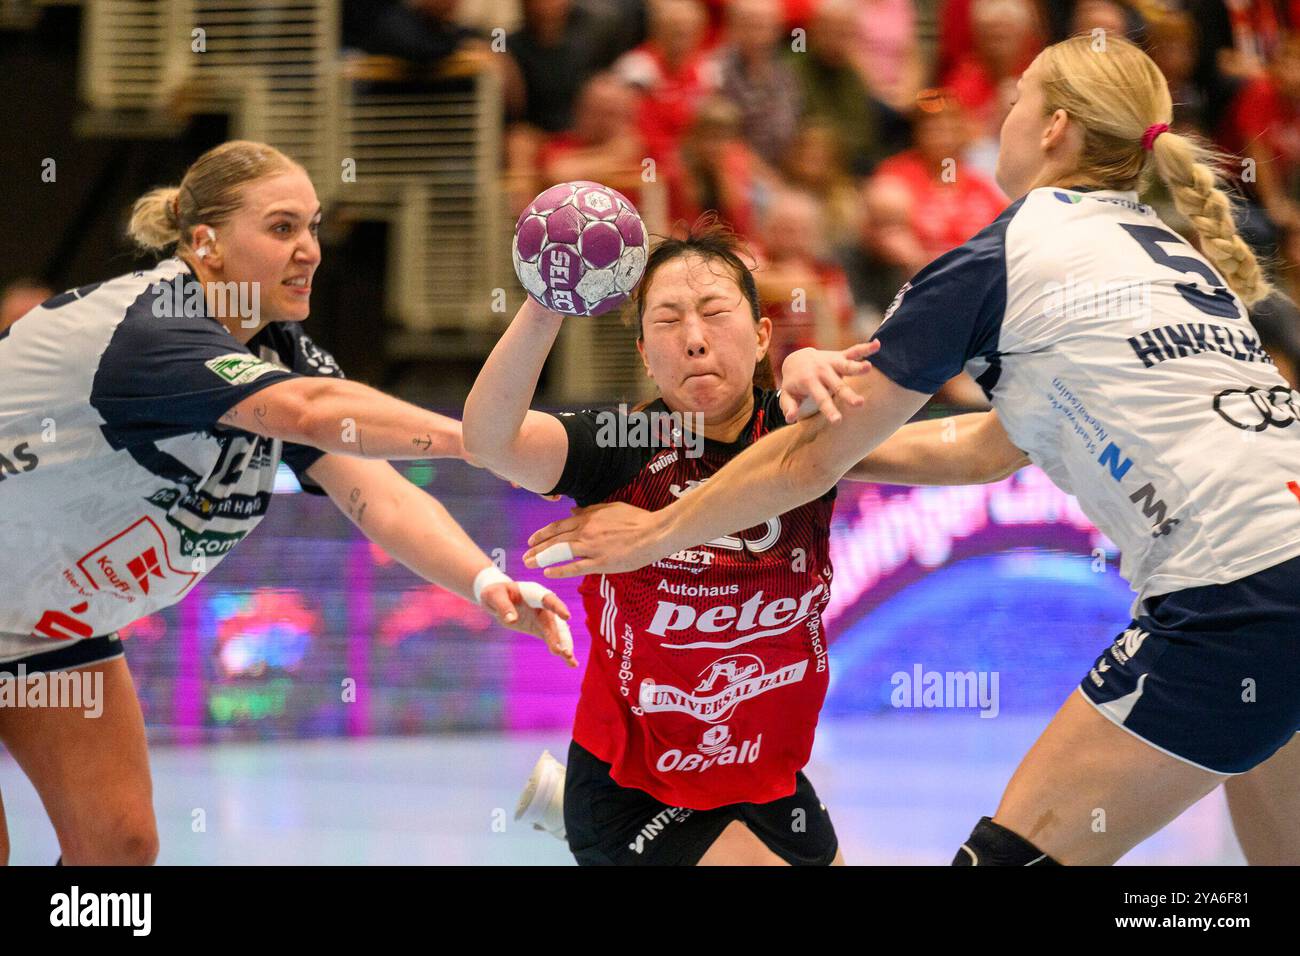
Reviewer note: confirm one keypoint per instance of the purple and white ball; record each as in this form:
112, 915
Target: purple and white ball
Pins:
580, 248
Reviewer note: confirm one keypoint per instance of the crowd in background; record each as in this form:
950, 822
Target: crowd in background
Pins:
850, 142
849, 153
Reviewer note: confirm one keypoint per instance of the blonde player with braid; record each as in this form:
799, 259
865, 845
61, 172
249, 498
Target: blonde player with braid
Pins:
1124, 363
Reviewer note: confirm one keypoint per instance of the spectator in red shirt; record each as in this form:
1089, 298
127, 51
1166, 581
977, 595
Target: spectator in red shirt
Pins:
1005, 40
672, 72
604, 144
1264, 125
887, 54
950, 200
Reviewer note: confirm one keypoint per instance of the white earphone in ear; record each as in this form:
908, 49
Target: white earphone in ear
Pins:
206, 248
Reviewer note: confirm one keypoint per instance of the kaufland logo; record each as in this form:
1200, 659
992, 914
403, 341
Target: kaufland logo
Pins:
135, 562
143, 566
742, 677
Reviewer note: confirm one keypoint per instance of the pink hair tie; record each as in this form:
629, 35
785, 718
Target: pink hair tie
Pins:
1149, 137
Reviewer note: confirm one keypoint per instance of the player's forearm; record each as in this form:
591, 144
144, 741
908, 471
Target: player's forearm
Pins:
786, 468
776, 474
944, 451
504, 389
419, 533
349, 418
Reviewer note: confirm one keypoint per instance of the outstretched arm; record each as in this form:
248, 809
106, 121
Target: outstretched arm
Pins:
779, 472
347, 418
526, 447
417, 530
962, 450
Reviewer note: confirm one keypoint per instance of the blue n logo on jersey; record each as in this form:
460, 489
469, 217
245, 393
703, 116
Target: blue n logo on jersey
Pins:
1110, 458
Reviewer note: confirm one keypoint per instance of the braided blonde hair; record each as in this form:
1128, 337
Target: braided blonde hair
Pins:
1116, 92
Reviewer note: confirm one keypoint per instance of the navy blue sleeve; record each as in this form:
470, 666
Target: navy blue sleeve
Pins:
293, 348
168, 375
950, 312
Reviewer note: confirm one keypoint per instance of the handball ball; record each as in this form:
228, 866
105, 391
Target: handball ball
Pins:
580, 248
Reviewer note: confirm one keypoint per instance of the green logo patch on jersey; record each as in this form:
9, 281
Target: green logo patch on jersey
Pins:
239, 368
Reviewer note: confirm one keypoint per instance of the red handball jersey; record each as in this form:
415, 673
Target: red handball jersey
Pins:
707, 669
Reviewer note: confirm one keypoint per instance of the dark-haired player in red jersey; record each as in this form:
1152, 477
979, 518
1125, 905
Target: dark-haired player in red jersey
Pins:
709, 668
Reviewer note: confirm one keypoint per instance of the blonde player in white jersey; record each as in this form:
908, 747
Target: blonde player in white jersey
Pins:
1151, 401
142, 420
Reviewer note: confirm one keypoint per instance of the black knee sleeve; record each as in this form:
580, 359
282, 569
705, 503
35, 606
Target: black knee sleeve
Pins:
991, 844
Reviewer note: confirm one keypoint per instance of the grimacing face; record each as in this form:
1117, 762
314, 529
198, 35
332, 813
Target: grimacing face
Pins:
272, 241
699, 341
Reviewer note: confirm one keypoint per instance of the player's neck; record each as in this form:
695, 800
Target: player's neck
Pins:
235, 326
1062, 177
242, 326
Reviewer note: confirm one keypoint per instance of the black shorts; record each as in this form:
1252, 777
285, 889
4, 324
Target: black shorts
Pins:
83, 653
1209, 674
610, 825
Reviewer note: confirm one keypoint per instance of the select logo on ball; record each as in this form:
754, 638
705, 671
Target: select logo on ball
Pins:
580, 248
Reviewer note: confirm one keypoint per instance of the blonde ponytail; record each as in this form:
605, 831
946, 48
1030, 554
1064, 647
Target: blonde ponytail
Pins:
211, 191
155, 225
1115, 92
1184, 165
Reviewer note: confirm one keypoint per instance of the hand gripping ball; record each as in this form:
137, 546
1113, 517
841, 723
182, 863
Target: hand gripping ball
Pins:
580, 248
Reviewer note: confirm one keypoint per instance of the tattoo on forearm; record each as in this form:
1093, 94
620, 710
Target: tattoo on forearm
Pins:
425, 443
356, 505
260, 412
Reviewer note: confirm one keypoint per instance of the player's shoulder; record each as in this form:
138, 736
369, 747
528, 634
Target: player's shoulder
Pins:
978, 263
1050, 216
113, 319
1053, 224
112, 300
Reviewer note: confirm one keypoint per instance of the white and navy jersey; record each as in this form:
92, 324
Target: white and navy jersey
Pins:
1120, 362
118, 489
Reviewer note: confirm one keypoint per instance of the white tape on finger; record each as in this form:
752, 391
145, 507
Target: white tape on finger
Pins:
554, 554
566, 636
533, 595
